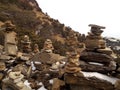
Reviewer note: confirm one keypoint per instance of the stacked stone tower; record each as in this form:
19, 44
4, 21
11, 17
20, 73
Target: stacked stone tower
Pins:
95, 42
26, 44
10, 39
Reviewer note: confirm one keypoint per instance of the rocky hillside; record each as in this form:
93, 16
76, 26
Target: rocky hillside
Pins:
29, 19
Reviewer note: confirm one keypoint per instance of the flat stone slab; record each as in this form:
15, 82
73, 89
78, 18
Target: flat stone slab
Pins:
107, 51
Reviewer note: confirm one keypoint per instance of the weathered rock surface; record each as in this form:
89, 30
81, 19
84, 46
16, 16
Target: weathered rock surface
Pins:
107, 51
96, 57
83, 83
95, 67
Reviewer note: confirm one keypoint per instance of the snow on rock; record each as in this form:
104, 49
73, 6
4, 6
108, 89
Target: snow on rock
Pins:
94, 63
47, 74
27, 84
117, 47
51, 81
33, 66
112, 39
42, 86
37, 62
100, 76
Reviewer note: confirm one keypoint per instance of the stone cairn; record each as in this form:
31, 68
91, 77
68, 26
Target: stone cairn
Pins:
10, 39
71, 68
48, 47
36, 49
94, 39
26, 44
16, 80
95, 58
97, 53
72, 40
72, 65
2, 68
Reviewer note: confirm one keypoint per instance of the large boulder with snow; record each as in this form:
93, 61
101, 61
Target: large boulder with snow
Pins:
87, 83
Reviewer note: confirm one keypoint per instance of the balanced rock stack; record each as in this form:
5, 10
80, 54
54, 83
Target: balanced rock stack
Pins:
94, 39
26, 48
2, 68
72, 65
14, 82
72, 40
46, 64
46, 56
95, 42
10, 39
36, 49
48, 47
97, 56
96, 64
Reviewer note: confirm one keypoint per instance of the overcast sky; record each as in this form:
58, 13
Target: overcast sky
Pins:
79, 13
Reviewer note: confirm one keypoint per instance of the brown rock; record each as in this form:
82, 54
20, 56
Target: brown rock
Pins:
83, 83
10, 39
107, 51
57, 84
26, 44
72, 69
117, 85
95, 44
72, 65
1, 48
8, 84
96, 29
96, 57
16, 76
92, 36
95, 67
48, 47
2, 66
1, 76
36, 49
49, 58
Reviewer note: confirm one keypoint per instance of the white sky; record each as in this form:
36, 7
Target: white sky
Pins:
79, 13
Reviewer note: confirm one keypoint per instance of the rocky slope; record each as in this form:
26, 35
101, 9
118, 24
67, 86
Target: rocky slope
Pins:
29, 19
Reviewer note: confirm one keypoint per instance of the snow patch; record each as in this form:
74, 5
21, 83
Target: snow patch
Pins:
117, 47
51, 81
33, 66
100, 76
94, 63
37, 62
27, 83
42, 88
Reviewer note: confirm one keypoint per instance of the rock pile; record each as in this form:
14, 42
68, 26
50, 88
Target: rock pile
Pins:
26, 44
48, 47
36, 49
46, 69
72, 65
10, 39
97, 56
46, 64
14, 82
